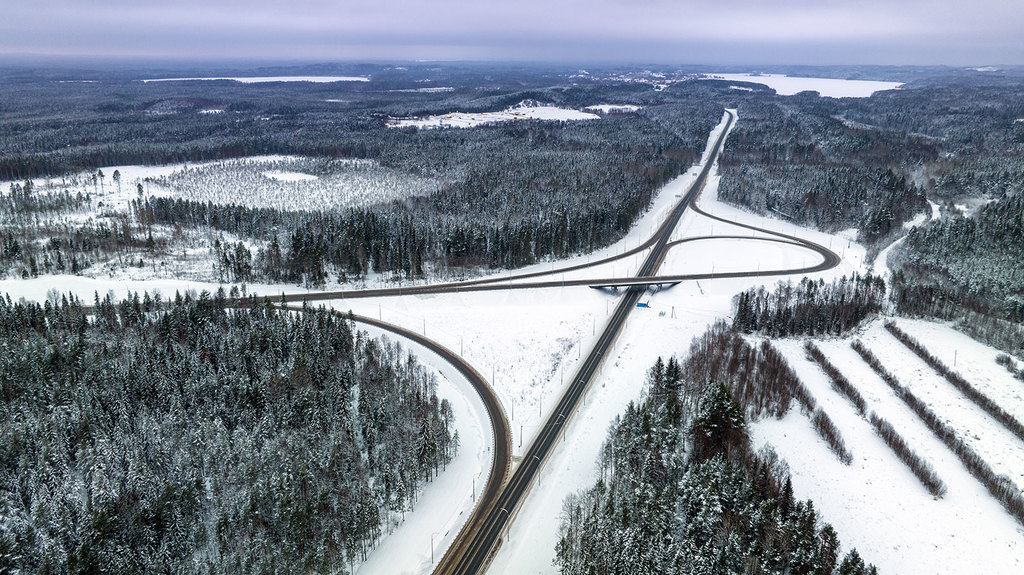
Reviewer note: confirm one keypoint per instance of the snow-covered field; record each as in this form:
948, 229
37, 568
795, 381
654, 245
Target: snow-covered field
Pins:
613, 108
265, 79
283, 176
876, 504
471, 119
292, 183
431, 90
994, 443
706, 256
828, 87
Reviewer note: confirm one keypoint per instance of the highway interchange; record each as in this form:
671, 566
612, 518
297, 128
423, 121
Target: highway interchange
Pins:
507, 487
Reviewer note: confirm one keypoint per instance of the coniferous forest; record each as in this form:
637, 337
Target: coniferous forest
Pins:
680, 489
809, 307
503, 195
188, 436
185, 437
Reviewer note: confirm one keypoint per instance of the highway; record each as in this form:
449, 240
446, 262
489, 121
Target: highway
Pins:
476, 543
474, 548
479, 538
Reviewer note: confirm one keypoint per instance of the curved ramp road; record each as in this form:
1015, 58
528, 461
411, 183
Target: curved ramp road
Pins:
472, 551
502, 454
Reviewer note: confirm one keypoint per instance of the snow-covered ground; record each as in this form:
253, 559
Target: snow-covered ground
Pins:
471, 119
283, 176
613, 108
993, 442
876, 504
282, 182
747, 254
828, 87
880, 266
264, 79
432, 90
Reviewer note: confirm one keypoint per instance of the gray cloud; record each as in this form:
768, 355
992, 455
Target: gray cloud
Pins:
756, 31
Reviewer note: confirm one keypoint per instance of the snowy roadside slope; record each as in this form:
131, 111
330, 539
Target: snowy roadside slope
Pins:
876, 504
446, 502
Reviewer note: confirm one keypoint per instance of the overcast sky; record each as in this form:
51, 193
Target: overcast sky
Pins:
955, 32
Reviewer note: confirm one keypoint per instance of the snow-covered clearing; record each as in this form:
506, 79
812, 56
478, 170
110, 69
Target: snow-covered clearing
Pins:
283, 176
828, 87
613, 108
265, 79
876, 504
706, 256
522, 341
976, 363
522, 111
973, 360
293, 183
433, 90
282, 182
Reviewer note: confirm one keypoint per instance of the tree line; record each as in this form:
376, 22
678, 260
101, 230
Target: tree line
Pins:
152, 435
1002, 488
809, 307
